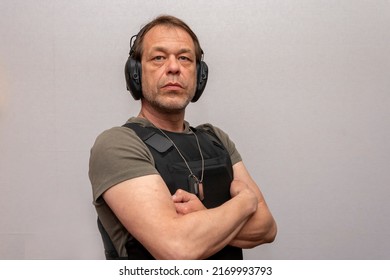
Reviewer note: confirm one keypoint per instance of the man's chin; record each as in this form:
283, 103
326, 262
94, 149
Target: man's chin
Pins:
172, 104
170, 107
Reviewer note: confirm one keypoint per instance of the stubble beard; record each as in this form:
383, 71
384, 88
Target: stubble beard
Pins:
166, 104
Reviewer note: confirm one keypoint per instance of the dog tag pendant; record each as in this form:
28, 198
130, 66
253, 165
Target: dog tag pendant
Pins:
195, 186
201, 193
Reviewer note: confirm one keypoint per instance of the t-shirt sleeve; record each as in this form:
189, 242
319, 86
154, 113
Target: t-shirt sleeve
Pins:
226, 141
117, 155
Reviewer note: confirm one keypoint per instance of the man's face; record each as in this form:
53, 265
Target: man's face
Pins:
168, 68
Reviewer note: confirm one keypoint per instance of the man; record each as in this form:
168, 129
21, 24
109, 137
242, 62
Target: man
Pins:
163, 189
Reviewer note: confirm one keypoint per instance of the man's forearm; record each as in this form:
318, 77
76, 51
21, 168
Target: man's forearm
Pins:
212, 229
260, 228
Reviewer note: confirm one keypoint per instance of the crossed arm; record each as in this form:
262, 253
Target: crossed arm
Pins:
179, 227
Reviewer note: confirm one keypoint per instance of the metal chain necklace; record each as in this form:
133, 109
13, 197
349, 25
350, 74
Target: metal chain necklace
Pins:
196, 185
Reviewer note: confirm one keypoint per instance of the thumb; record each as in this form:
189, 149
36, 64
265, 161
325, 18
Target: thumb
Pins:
181, 196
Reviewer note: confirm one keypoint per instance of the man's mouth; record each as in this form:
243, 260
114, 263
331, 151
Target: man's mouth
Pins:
173, 86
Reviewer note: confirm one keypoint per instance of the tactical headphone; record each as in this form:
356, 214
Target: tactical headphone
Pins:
133, 74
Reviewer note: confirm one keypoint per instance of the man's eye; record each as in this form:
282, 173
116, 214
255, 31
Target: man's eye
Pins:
184, 58
158, 58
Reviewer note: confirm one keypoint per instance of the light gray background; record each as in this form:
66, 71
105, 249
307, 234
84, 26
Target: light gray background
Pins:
302, 87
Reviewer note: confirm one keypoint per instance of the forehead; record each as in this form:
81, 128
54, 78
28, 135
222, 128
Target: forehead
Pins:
162, 36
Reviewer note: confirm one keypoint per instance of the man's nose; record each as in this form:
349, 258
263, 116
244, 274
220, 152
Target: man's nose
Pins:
173, 65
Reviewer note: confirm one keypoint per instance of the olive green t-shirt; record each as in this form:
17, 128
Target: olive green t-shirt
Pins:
117, 155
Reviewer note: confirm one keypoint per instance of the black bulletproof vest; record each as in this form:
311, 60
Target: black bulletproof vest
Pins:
218, 173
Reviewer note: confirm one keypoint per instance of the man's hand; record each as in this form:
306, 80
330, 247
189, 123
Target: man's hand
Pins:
186, 202
238, 186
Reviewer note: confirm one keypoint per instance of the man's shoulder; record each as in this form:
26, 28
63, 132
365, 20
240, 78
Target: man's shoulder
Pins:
224, 138
118, 132
208, 127
215, 130
117, 137
114, 134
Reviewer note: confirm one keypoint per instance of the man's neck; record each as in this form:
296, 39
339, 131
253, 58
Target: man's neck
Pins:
173, 122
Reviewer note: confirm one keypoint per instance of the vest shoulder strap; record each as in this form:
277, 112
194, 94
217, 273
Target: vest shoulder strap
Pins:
155, 140
159, 142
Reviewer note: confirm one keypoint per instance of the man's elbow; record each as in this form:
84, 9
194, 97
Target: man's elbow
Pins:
268, 236
271, 235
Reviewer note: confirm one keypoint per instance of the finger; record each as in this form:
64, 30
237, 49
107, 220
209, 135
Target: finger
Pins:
182, 196
182, 208
178, 196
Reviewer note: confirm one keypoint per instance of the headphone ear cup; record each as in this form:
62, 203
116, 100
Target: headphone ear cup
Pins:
133, 77
201, 81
